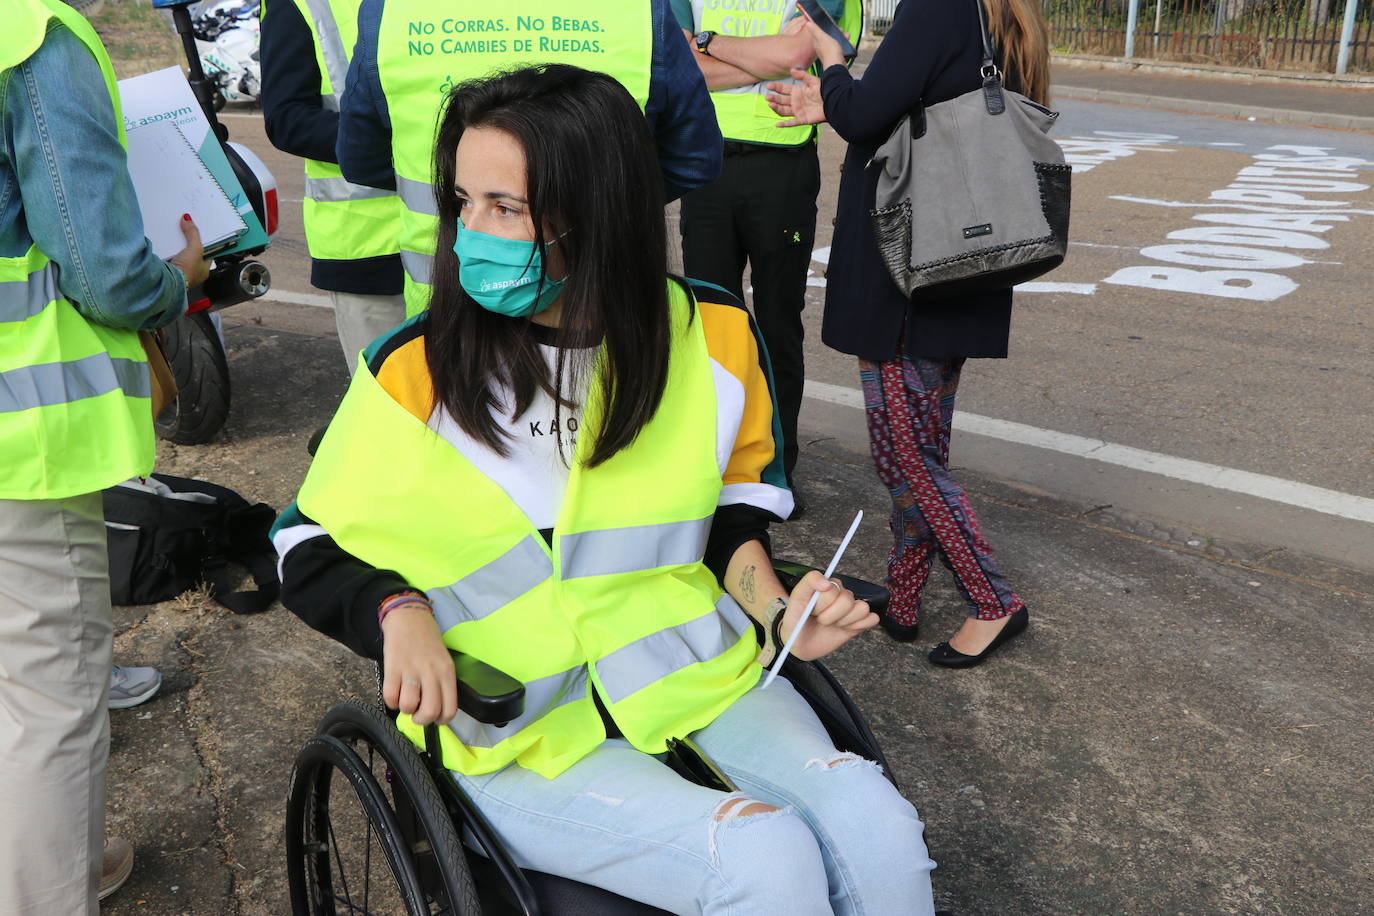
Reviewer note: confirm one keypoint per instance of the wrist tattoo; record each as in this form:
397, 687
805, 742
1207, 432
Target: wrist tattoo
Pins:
747, 586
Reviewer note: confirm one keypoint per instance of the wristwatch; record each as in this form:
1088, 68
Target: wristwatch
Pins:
703, 41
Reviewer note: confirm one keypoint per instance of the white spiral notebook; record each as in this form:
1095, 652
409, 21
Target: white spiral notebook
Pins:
171, 179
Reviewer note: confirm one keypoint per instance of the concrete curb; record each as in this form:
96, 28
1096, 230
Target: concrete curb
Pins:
1356, 81
1221, 109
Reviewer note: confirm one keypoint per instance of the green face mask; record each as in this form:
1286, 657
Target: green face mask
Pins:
503, 275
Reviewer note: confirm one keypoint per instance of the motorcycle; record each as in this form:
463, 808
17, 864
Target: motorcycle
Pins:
227, 45
193, 344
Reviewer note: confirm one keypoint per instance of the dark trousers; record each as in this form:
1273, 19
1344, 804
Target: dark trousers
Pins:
761, 210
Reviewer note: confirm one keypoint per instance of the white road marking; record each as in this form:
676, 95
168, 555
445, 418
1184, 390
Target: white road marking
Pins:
1103, 245
1078, 289
1228, 205
226, 114
1086, 153
1225, 144
822, 256
311, 299
1274, 489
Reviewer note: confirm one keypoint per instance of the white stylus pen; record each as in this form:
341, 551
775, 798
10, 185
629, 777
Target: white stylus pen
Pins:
811, 605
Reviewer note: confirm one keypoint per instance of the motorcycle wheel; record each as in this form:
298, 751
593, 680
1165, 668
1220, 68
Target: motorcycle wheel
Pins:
201, 371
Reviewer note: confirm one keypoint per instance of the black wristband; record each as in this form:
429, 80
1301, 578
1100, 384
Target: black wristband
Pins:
775, 627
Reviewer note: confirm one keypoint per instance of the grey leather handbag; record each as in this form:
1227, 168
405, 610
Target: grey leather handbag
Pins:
972, 196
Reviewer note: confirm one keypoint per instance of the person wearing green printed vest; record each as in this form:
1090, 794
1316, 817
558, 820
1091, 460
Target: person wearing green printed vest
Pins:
589, 467
411, 53
761, 211
352, 231
77, 280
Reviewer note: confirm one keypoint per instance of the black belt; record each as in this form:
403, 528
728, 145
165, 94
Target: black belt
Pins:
735, 148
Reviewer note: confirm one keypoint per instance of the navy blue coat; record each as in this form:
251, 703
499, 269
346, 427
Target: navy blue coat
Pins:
932, 53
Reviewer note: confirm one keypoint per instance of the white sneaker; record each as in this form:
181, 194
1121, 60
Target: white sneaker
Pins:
131, 686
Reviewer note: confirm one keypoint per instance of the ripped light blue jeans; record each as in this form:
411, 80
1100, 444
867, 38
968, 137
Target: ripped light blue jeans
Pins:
812, 831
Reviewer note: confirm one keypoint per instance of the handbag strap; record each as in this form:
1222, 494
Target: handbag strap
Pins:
992, 77
992, 83
989, 58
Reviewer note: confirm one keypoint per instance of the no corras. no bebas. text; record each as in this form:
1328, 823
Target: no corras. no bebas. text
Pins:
522, 35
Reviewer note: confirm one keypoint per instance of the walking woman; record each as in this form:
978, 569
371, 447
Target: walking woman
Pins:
553, 469
910, 355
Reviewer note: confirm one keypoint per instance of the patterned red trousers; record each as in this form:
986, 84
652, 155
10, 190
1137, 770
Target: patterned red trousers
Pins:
910, 406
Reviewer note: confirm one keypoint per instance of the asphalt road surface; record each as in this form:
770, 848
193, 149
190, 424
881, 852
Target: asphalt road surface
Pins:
1205, 355
1174, 474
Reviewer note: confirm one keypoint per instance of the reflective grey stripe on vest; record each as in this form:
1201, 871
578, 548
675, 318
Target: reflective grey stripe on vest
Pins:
335, 190
493, 586
642, 547
419, 267
631, 668
331, 44
62, 383
789, 10
541, 697
329, 101
20, 299
417, 196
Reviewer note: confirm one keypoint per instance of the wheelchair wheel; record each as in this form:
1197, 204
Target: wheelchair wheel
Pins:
329, 870
390, 847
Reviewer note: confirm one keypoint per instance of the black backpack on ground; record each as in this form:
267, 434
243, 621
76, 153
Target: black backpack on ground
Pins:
168, 534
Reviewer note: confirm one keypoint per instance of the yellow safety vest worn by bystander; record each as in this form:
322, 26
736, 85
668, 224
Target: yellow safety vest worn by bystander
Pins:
743, 112
621, 603
425, 48
74, 409
343, 221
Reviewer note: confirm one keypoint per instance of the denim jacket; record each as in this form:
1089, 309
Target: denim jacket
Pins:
64, 185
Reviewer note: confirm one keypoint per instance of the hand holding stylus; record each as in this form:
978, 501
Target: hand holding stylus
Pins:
842, 617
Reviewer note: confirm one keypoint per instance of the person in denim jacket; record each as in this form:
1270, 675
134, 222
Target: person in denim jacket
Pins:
64, 190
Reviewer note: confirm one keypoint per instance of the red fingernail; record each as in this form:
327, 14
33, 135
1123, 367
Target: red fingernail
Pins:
186, 216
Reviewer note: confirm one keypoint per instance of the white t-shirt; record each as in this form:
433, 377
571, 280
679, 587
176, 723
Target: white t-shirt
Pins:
534, 473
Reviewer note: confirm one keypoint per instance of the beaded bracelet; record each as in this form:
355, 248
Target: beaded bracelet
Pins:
392, 602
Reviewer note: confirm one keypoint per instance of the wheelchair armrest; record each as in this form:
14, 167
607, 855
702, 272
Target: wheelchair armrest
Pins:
790, 574
487, 694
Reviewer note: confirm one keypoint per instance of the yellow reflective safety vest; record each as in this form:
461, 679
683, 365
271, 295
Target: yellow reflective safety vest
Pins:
75, 415
743, 112
425, 48
343, 221
621, 604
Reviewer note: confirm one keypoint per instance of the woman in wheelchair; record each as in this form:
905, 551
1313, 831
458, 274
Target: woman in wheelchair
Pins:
553, 469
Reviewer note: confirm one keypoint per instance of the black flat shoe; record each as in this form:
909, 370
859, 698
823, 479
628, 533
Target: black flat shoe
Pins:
902, 632
947, 656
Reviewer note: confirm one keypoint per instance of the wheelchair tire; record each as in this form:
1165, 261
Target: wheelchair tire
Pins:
201, 370
426, 827
316, 875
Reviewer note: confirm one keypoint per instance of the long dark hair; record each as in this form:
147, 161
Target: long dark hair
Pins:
593, 182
